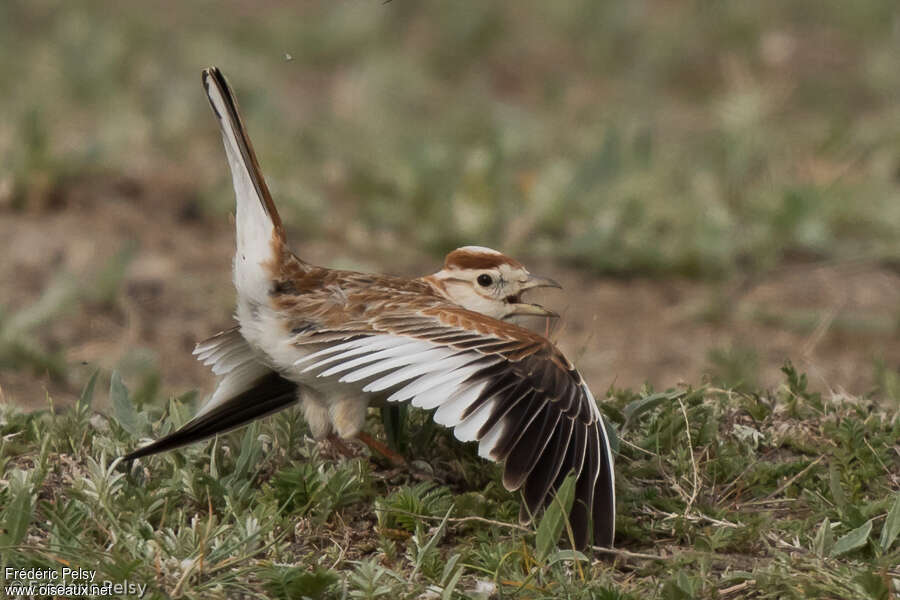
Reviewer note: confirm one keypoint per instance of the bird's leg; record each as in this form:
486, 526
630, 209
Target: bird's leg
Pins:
340, 445
382, 449
348, 416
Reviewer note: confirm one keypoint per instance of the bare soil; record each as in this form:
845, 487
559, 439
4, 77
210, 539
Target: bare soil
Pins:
833, 320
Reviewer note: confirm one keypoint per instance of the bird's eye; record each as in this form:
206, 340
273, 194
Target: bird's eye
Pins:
485, 280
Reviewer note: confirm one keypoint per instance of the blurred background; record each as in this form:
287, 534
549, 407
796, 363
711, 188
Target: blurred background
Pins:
717, 184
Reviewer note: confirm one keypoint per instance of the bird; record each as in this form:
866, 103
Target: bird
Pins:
334, 339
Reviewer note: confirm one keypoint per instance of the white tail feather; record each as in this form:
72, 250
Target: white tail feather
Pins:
257, 221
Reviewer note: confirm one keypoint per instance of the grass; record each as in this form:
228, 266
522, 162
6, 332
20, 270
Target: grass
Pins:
722, 493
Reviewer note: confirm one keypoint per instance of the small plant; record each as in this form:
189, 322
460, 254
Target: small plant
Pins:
794, 498
405, 507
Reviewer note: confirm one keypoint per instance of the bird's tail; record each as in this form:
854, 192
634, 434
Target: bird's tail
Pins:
260, 234
266, 395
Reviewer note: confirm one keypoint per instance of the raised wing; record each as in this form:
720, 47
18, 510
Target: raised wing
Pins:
502, 386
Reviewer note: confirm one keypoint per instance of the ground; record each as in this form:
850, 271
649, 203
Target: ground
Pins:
834, 319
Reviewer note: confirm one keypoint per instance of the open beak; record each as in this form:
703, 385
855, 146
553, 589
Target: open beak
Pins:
523, 308
534, 281
531, 309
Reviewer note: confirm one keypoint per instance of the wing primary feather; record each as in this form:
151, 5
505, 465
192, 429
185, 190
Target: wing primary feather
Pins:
524, 456
500, 370
492, 389
544, 475
495, 385
467, 430
411, 355
526, 411
451, 379
216, 340
587, 408
450, 411
580, 515
448, 364
364, 343
604, 508
232, 359
365, 351
212, 349
505, 403
570, 399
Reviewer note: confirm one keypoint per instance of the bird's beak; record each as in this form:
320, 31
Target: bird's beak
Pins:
534, 281
536, 310
524, 308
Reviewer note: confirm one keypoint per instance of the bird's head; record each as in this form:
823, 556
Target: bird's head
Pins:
489, 282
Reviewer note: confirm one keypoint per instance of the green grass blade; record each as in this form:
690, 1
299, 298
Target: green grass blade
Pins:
87, 394
122, 407
891, 528
554, 519
853, 540
18, 516
824, 540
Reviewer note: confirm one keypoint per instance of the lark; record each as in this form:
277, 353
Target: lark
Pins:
334, 340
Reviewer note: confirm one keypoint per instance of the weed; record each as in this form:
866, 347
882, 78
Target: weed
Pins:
795, 497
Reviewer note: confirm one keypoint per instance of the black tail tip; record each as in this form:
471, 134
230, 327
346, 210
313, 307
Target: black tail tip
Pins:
210, 72
132, 456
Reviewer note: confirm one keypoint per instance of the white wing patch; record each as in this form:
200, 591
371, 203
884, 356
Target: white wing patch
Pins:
209, 351
415, 354
450, 413
225, 351
442, 365
435, 384
467, 430
489, 441
431, 375
351, 348
233, 360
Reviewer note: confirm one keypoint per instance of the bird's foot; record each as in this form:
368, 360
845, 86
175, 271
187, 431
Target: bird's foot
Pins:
376, 446
335, 442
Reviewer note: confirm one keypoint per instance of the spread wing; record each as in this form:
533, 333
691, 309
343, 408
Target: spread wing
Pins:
494, 383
